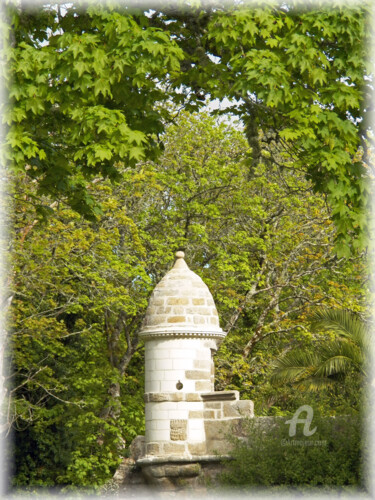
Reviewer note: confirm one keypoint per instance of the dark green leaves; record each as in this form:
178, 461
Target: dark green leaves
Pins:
86, 98
303, 71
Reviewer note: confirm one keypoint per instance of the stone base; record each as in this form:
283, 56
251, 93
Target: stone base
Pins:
173, 474
128, 481
182, 474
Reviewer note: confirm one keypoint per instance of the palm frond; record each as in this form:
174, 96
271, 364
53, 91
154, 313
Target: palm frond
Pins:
314, 384
295, 365
334, 365
319, 369
342, 322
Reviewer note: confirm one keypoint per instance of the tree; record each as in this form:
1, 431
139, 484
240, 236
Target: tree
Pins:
258, 237
75, 387
332, 359
84, 89
89, 86
298, 74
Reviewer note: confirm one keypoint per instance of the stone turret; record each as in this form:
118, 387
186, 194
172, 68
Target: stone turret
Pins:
181, 332
187, 422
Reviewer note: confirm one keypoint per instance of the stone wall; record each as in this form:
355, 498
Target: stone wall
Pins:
224, 415
178, 464
192, 424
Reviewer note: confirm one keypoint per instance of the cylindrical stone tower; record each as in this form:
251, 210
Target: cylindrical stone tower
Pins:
181, 331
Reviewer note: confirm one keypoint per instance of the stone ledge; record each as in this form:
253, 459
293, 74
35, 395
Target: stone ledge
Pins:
221, 396
173, 459
161, 397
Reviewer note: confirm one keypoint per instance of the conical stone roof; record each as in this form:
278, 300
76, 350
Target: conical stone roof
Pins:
181, 304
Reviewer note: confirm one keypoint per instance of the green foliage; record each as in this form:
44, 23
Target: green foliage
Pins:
83, 95
303, 70
88, 87
257, 235
332, 457
298, 74
331, 360
78, 377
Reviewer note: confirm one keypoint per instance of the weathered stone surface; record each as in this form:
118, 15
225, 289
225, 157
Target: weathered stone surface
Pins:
219, 446
198, 302
204, 311
160, 481
157, 302
167, 292
229, 409
137, 448
163, 310
221, 429
168, 478
178, 310
177, 319
156, 470
173, 448
183, 470
157, 397
195, 414
156, 320
178, 430
198, 284
209, 414
124, 469
176, 301
243, 408
197, 374
192, 396
181, 299
153, 310
197, 448
177, 396
128, 477
211, 405
199, 320
203, 386
152, 449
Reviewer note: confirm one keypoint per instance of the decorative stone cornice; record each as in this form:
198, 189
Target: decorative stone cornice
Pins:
148, 335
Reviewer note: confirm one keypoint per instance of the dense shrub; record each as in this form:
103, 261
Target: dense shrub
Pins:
268, 456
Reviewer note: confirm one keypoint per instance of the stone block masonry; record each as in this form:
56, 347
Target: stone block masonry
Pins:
187, 422
178, 430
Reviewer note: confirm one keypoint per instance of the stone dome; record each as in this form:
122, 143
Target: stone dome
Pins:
181, 304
